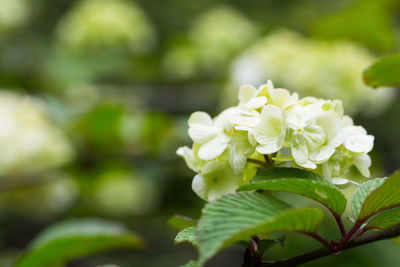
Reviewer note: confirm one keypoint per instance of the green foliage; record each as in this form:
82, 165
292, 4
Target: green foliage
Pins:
385, 219
235, 217
74, 239
384, 72
181, 222
266, 244
329, 196
362, 193
192, 264
375, 196
187, 235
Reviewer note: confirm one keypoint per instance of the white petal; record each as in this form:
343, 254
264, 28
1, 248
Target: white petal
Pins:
330, 122
282, 98
359, 143
212, 148
314, 136
237, 160
201, 133
265, 89
363, 163
299, 149
256, 102
199, 186
246, 92
252, 140
222, 185
323, 154
273, 145
271, 125
356, 130
200, 117
347, 121
187, 154
242, 128
241, 143
216, 180
249, 121
307, 165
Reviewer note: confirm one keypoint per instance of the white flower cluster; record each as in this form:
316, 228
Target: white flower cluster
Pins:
28, 140
274, 124
330, 70
106, 23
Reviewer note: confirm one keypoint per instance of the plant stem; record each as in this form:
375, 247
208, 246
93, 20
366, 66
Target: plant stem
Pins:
253, 248
350, 233
320, 239
256, 161
390, 232
267, 160
340, 223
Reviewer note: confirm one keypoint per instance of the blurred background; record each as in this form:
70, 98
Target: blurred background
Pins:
95, 95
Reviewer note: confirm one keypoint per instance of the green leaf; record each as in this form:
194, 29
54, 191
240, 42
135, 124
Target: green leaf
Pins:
192, 264
329, 196
362, 193
385, 219
279, 173
266, 244
181, 222
74, 239
234, 217
187, 235
376, 196
384, 72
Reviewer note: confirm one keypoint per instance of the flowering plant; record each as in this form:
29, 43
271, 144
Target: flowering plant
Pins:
271, 126
275, 141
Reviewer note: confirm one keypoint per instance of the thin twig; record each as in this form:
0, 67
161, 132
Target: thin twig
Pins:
340, 223
390, 232
320, 239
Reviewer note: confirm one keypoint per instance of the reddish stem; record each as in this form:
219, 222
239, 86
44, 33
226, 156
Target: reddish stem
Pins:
340, 223
350, 233
319, 239
253, 248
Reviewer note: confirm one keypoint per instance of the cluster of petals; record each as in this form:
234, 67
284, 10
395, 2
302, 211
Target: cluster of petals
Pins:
272, 123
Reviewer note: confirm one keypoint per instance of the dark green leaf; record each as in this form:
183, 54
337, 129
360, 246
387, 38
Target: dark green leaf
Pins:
187, 235
362, 193
181, 222
266, 244
385, 195
384, 72
235, 217
385, 219
74, 239
328, 196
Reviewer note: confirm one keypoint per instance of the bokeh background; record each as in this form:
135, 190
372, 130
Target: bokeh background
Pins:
95, 95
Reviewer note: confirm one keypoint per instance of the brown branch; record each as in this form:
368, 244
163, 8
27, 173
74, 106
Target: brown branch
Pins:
390, 232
